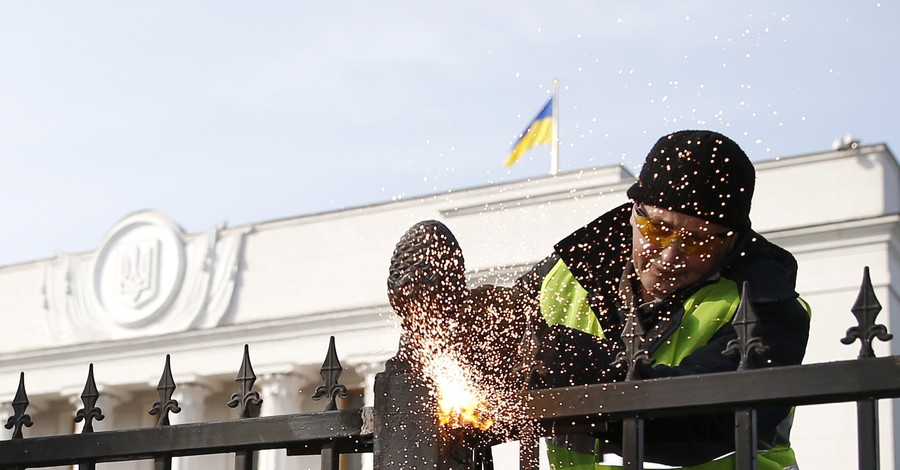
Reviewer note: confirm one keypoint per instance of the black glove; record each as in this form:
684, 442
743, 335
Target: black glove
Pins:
567, 357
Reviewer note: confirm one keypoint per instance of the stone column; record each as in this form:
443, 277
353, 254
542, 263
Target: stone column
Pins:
367, 373
191, 397
108, 403
280, 393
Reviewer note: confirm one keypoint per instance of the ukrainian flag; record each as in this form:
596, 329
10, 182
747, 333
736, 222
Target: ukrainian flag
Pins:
539, 132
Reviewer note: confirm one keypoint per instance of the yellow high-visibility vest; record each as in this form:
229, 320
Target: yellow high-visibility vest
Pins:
563, 301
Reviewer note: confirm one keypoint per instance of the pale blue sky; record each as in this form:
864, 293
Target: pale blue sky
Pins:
251, 111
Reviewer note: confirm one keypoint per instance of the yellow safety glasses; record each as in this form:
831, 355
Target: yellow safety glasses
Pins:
660, 234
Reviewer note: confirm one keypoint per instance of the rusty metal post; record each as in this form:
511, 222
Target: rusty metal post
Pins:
406, 432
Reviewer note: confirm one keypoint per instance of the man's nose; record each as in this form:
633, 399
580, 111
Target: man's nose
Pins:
671, 253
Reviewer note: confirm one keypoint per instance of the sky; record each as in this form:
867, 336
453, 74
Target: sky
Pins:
233, 112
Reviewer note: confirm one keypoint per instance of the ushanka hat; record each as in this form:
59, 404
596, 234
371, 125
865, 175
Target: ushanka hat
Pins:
699, 173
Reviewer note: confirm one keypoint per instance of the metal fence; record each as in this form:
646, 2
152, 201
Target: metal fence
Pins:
329, 432
864, 381
401, 430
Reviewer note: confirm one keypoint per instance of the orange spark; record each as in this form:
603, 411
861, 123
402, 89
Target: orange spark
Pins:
459, 401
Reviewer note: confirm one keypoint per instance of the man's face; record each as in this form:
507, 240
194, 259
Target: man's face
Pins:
672, 250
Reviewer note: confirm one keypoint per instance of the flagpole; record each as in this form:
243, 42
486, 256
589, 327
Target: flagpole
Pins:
554, 142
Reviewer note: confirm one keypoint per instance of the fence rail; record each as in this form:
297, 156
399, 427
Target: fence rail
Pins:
833, 382
302, 434
864, 381
328, 433
400, 429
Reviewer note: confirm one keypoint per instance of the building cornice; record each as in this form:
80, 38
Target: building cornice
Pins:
817, 157
293, 328
841, 234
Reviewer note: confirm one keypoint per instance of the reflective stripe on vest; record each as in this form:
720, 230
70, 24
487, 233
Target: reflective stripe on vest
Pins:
563, 301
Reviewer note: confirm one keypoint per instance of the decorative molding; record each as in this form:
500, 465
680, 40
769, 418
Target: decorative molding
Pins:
527, 200
146, 279
837, 234
877, 150
293, 328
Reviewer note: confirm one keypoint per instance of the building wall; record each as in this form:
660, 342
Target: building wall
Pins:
284, 287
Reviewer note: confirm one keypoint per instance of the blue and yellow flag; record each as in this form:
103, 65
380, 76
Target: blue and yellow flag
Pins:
539, 132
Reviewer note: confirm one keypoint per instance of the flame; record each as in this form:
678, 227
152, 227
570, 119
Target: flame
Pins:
460, 403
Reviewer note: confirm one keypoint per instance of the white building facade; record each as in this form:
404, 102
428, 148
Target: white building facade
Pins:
284, 287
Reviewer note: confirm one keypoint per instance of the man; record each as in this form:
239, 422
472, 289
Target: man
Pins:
675, 256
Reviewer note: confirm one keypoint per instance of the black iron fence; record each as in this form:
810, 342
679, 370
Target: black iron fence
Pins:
329, 432
401, 430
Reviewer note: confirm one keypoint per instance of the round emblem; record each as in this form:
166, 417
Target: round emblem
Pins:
139, 269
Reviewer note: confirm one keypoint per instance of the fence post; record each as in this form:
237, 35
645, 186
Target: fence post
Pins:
866, 311
745, 432
633, 426
248, 402
163, 407
529, 447
867, 428
633, 443
745, 437
406, 431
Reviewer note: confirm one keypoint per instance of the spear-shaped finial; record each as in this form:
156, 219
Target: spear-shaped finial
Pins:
166, 388
866, 310
247, 399
331, 371
89, 397
634, 353
19, 404
744, 322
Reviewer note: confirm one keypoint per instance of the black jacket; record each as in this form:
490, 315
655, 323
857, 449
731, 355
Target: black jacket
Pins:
597, 255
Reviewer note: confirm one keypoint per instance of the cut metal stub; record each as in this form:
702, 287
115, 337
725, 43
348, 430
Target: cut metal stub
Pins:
427, 273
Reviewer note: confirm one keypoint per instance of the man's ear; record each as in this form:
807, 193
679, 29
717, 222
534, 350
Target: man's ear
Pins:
732, 242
